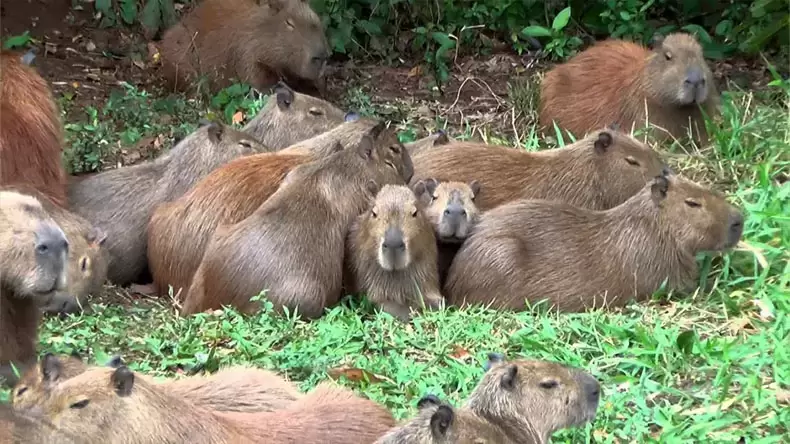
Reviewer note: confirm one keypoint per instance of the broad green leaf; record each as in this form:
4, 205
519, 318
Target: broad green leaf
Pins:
17, 40
128, 11
701, 33
104, 6
562, 19
168, 11
151, 17
536, 31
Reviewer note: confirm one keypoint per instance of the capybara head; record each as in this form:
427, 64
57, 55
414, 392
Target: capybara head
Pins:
35, 384
381, 148
436, 139
549, 395
434, 424
677, 71
700, 219
226, 136
451, 208
33, 248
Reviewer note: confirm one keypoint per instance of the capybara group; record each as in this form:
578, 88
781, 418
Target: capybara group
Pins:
623, 83
31, 133
597, 172
33, 266
392, 253
578, 259
255, 42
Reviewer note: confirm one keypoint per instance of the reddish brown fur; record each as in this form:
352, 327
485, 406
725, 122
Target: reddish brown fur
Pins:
31, 133
397, 281
623, 83
225, 39
580, 259
293, 244
597, 172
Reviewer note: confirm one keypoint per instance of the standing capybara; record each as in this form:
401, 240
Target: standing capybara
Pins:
598, 172
516, 402
392, 253
242, 40
439, 138
31, 133
293, 245
179, 231
33, 265
114, 406
579, 259
624, 83
121, 200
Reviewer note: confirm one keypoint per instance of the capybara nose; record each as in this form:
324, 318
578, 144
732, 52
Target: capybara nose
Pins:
592, 388
455, 214
736, 228
50, 241
694, 77
393, 239
667, 171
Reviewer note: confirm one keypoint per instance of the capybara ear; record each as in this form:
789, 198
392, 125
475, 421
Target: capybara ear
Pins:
475, 186
656, 41
115, 362
659, 188
122, 380
51, 368
351, 116
603, 142
442, 139
285, 95
375, 132
365, 147
430, 185
28, 57
419, 188
428, 401
493, 358
508, 380
215, 131
372, 187
441, 420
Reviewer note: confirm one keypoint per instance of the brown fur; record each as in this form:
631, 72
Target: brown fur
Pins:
31, 133
121, 200
33, 262
257, 45
597, 172
438, 138
623, 83
114, 406
293, 244
22, 429
579, 259
179, 231
396, 279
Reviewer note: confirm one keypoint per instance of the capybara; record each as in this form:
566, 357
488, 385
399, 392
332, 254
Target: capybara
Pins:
179, 231
579, 259
293, 245
290, 117
230, 389
31, 133
33, 265
121, 200
436, 139
392, 253
598, 172
241, 39
16, 428
624, 83
516, 402
87, 257
114, 406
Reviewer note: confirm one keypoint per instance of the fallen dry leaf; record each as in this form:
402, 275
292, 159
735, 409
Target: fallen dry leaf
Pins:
783, 396
740, 324
238, 117
766, 314
416, 71
459, 352
353, 374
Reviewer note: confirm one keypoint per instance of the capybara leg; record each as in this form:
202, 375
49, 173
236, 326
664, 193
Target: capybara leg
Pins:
400, 311
433, 301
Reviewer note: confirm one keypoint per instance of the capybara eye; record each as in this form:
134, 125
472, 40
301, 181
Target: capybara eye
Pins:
290, 23
245, 143
373, 213
693, 203
21, 390
668, 55
84, 264
549, 384
414, 213
395, 149
315, 112
391, 165
434, 197
632, 161
80, 404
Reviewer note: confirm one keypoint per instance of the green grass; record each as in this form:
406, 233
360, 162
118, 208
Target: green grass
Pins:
712, 366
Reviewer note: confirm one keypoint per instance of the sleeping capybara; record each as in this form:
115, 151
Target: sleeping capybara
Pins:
438, 138
121, 200
292, 246
624, 83
33, 265
179, 231
597, 172
31, 133
254, 42
579, 259
392, 253
115, 405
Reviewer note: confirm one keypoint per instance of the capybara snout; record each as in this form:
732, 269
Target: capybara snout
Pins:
393, 254
51, 249
736, 228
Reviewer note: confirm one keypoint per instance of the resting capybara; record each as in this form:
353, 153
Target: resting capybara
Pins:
621, 82
293, 245
598, 172
289, 117
392, 253
33, 265
31, 133
114, 406
179, 231
231, 389
16, 428
121, 200
580, 259
438, 138
253, 43
516, 402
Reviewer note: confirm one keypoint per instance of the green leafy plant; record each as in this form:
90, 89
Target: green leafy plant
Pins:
153, 15
560, 45
18, 41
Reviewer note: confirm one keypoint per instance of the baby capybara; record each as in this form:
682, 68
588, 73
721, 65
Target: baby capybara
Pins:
31, 133
579, 259
292, 246
121, 200
179, 231
624, 83
114, 406
392, 253
598, 172
516, 402
241, 39
33, 266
